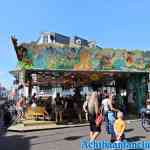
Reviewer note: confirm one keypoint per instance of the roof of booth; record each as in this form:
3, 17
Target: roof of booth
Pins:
32, 56
68, 78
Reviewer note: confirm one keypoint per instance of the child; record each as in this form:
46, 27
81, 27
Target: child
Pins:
111, 120
119, 127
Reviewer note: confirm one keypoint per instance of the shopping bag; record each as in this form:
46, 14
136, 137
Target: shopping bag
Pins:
99, 119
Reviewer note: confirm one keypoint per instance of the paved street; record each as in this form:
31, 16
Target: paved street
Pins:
61, 139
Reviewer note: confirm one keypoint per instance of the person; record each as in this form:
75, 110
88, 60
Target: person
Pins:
119, 127
69, 108
104, 94
125, 107
58, 108
147, 106
148, 103
111, 120
107, 107
85, 106
34, 98
77, 105
100, 97
19, 108
1, 117
24, 106
48, 107
93, 110
7, 115
120, 102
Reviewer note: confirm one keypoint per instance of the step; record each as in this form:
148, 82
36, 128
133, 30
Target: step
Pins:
36, 123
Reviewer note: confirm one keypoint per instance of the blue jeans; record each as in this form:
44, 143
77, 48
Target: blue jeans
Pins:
106, 122
111, 128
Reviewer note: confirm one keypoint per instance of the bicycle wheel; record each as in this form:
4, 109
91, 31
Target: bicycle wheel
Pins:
145, 123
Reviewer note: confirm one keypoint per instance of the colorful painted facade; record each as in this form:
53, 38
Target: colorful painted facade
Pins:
98, 59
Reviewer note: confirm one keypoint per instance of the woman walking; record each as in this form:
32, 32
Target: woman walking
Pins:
93, 110
19, 108
108, 111
59, 109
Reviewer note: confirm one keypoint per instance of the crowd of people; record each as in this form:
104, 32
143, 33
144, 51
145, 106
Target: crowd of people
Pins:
114, 118
111, 107
67, 108
61, 108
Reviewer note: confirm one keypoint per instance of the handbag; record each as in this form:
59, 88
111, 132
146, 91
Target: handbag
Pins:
99, 118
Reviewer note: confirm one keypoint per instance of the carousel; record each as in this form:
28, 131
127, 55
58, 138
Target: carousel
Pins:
61, 66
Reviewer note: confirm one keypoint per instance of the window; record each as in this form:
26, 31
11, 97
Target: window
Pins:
45, 39
52, 38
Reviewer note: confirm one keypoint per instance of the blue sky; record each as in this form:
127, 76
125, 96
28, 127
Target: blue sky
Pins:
112, 23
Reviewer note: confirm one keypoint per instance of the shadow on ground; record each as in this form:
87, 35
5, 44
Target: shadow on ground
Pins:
129, 130
2, 131
71, 138
135, 138
15, 142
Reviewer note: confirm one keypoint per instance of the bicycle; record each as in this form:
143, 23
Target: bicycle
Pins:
145, 119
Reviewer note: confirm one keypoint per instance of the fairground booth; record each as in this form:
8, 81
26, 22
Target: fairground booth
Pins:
58, 63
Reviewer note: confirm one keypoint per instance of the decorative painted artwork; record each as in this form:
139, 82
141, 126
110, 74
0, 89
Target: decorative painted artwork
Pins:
33, 56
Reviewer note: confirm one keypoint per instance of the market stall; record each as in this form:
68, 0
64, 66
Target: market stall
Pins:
65, 66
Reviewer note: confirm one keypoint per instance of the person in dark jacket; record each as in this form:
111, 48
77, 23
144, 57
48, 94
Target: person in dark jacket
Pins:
59, 108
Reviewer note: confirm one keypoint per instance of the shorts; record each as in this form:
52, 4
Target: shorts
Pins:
24, 110
20, 110
59, 108
92, 121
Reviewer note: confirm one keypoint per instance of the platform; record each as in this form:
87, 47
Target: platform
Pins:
31, 125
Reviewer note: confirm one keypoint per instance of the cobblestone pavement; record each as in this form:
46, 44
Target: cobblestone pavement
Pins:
62, 139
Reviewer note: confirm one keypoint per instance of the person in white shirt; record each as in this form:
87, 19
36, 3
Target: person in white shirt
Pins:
107, 107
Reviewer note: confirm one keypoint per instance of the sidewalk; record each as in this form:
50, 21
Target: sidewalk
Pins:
32, 125
41, 125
